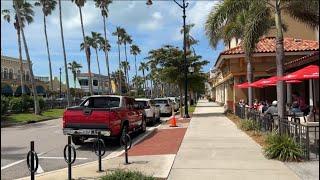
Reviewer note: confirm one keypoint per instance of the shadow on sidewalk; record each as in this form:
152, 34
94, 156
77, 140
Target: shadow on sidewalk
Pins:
208, 115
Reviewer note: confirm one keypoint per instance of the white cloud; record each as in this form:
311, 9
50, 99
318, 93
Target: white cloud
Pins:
157, 15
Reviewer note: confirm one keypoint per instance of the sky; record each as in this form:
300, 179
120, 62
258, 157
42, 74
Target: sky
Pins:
149, 26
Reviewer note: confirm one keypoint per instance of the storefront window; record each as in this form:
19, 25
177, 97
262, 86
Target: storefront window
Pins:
95, 82
10, 74
5, 73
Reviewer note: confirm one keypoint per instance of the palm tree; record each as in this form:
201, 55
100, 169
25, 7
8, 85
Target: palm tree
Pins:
95, 43
80, 4
64, 54
119, 33
135, 51
190, 40
144, 67
26, 14
24, 7
125, 65
74, 67
126, 39
104, 7
47, 7
105, 47
248, 24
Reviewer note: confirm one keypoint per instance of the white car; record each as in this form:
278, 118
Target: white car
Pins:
165, 105
175, 103
152, 111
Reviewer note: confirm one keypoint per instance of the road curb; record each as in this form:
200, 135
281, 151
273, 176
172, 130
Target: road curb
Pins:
3, 125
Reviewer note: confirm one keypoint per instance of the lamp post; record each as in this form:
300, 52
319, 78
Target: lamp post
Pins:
183, 7
60, 83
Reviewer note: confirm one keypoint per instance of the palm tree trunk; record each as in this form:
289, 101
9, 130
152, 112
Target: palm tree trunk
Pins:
87, 52
106, 54
120, 88
279, 59
35, 96
99, 84
64, 54
74, 80
135, 64
48, 51
126, 69
249, 78
23, 90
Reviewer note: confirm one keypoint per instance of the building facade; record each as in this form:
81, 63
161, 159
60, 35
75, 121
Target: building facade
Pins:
10, 77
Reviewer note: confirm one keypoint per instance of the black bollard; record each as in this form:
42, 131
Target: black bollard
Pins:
100, 150
31, 158
127, 139
68, 158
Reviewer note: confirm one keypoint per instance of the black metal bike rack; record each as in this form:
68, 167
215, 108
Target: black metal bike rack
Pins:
32, 158
127, 142
99, 149
68, 159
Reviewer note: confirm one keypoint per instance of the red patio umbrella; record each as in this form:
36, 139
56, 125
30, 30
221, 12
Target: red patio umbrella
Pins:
243, 85
256, 84
309, 72
293, 81
267, 82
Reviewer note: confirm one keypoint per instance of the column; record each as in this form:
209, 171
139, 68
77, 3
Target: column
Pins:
310, 93
289, 93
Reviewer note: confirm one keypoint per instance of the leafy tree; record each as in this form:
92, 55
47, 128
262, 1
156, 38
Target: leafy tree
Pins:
120, 32
105, 46
48, 6
74, 67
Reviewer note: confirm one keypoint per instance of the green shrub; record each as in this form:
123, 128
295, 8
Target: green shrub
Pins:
4, 104
27, 102
283, 148
119, 174
42, 103
249, 125
17, 105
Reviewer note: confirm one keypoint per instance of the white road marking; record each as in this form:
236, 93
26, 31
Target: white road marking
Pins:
78, 158
39, 170
15, 163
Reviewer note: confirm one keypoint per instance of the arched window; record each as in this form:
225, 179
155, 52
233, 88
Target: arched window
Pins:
5, 73
11, 74
2, 73
19, 74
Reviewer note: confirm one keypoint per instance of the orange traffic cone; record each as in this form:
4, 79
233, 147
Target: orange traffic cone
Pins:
173, 121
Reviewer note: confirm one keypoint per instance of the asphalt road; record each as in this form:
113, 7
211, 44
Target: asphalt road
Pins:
49, 144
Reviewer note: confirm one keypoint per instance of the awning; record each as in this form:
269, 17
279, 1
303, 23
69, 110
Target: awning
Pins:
309, 72
6, 89
18, 90
40, 90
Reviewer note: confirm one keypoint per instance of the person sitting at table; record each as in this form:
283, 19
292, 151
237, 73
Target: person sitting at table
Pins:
295, 108
241, 103
302, 104
255, 104
314, 117
262, 107
273, 109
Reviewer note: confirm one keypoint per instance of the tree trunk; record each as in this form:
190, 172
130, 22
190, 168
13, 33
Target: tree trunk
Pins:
135, 64
126, 68
120, 88
106, 54
279, 59
35, 96
48, 51
100, 82
87, 52
64, 54
249, 78
23, 90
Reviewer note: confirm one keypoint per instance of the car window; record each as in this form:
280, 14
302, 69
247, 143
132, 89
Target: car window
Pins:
152, 103
129, 103
161, 101
102, 102
142, 103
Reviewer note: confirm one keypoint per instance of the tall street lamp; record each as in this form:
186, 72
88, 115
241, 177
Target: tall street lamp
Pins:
60, 83
183, 7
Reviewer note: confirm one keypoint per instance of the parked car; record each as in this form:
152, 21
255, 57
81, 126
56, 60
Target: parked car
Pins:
113, 116
165, 105
175, 102
152, 111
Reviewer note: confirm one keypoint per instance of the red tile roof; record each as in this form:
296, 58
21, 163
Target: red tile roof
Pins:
268, 45
313, 57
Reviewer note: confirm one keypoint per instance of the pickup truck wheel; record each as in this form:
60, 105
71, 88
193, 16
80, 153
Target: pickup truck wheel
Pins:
77, 140
143, 125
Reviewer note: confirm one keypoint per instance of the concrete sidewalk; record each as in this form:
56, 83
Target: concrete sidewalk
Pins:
214, 148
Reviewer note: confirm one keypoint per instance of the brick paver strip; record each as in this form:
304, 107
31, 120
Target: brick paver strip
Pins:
164, 141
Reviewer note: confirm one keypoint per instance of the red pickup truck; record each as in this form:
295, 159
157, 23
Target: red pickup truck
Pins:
113, 116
